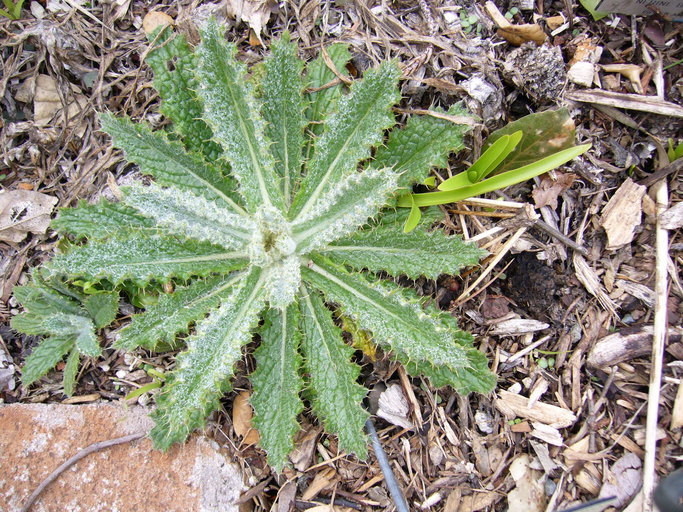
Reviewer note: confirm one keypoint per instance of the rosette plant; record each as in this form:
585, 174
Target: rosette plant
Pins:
270, 205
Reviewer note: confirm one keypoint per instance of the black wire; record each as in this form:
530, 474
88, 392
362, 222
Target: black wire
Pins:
389, 478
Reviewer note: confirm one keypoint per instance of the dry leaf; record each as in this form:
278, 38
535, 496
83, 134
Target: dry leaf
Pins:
154, 20
242, 414
623, 480
23, 212
47, 104
529, 493
393, 406
549, 190
622, 214
255, 13
517, 35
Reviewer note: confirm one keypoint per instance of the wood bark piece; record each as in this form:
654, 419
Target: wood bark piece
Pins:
622, 214
673, 217
517, 405
649, 104
677, 411
624, 345
517, 326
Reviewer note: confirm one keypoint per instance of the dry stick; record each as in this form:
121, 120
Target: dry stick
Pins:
83, 453
660, 331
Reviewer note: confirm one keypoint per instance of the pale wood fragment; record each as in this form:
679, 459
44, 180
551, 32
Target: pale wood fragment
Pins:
517, 326
626, 344
650, 104
622, 214
547, 433
541, 412
677, 411
673, 217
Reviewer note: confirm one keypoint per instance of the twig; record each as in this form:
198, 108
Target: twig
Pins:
549, 230
95, 447
660, 331
470, 121
389, 478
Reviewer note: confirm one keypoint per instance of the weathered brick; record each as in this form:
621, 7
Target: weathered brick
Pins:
35, 439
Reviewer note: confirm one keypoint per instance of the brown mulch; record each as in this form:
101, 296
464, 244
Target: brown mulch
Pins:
533, 313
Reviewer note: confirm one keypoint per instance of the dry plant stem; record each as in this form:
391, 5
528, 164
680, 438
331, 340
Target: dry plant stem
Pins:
660, 328
392, 484
95, 447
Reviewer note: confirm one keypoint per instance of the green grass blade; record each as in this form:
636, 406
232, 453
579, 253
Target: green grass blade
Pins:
497, 182
337, 396
277, 384
413, 219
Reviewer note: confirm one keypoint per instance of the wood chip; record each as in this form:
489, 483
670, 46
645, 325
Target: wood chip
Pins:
547, 433
587, 276
673, 217
543, 454
517, 327
677, 411
626, 344
541, 412
82, 399
650, 104
622, 214
323, 478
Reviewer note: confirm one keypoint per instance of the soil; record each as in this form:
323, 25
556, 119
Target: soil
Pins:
538, 310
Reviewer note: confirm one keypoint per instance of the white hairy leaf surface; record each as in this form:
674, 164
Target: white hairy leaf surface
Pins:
336, 394
419, 253
344, 209
233, 114
356, 126
203, 371
186, 214
277, 383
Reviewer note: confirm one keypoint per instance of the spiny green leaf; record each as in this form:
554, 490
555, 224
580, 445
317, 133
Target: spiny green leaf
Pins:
186, 214
41, 299
168, 162
322, 102
394, 322
358, 124
231, 111
102, 308
336, 394
44, 357
419, 253
423, 144
344, 209
174, 312
283, 111
71, 371
277, 384
98, 220
142, 256
203, 371
174, 64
